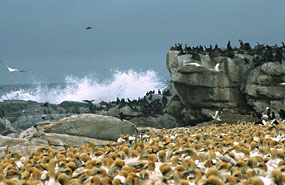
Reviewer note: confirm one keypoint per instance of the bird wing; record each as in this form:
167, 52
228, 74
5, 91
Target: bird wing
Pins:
11, 69
4, 64
15, 70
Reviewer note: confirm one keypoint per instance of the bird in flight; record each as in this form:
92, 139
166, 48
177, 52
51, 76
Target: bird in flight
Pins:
11, 69
89, 28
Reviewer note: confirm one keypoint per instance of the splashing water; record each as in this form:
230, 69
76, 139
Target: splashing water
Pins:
128, 84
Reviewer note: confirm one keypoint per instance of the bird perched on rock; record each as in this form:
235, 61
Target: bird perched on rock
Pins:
122, 116
229, 45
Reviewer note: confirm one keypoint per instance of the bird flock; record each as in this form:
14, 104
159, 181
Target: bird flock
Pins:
242, 153
261, 53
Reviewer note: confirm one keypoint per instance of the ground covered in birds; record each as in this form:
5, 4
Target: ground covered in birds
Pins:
242, 153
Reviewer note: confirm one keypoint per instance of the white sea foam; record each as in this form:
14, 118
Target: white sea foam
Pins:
129, 84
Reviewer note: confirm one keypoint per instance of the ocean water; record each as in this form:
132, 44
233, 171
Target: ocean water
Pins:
123, 84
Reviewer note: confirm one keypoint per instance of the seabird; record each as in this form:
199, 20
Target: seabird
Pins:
216, 116
241, 43
122, 116
260, 122
44, 117
11, 69
217, 67
229, 45
283, 45
268, 113
89, 28
88, 101
274, 122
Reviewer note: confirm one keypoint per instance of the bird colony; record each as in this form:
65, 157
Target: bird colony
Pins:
241, 153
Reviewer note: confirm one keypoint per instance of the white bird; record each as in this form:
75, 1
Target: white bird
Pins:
217, 67
216, 116
11, 69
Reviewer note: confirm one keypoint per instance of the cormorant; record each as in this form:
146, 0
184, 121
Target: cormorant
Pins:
122, 116
208, 49
117, 101
282, 113
259, 115
240, 43
89, 28
229, 45
283, 45
176, 47
88, 101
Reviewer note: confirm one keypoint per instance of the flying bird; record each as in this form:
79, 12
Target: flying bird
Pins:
89, 28
11, 69
88, 101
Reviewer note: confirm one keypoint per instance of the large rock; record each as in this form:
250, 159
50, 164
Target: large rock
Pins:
242, 81
93, 126
33, 140
160, 121
273, 68
24, 114
8, 141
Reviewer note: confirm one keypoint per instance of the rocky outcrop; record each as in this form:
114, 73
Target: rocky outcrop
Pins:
239, 80
24, 114
93, 126
159, 121
234, 81
56, 141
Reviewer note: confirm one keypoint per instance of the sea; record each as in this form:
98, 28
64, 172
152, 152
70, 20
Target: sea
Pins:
122, 84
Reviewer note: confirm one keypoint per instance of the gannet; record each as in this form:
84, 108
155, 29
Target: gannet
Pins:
11, 69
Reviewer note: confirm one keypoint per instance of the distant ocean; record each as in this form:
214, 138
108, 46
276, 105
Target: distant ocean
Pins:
128, 84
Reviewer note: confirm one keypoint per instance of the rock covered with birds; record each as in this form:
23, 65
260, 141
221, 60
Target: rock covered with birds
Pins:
244, 79
147, 111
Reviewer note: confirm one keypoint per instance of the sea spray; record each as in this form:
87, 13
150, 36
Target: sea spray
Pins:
127, 84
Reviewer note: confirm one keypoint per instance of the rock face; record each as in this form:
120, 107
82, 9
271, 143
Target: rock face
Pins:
93, 126
160, 121
233, 81
6, 127
239, 80
24, 114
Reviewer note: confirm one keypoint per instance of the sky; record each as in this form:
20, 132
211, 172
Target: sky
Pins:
48, 37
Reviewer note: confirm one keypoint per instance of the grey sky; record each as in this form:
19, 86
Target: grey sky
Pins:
49, 37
